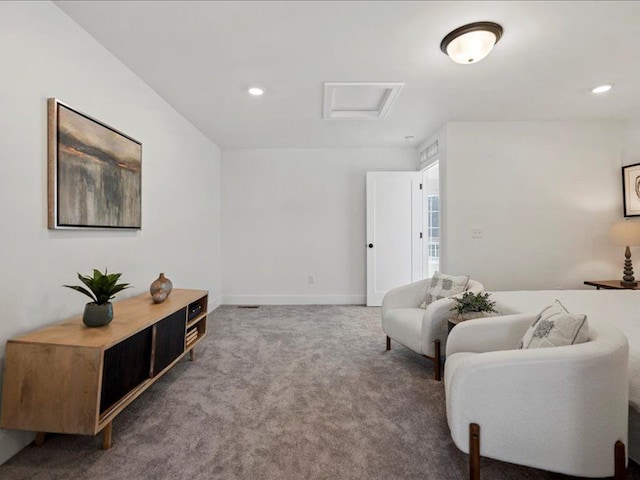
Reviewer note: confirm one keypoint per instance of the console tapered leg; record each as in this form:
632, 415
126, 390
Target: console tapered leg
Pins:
388, 343
40, 436
192, 354
106, 436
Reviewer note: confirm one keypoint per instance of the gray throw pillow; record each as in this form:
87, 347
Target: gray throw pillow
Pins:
443, 286
556, 327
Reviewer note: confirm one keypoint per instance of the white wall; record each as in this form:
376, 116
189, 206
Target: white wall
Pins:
631, 144
544, 194
43, 54
289, 214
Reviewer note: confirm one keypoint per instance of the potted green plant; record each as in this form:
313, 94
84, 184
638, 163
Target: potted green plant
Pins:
473, 305
101, 288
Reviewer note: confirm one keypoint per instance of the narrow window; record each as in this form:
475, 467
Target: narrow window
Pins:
431, 240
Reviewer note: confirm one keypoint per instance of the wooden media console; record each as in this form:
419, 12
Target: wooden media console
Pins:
68, 378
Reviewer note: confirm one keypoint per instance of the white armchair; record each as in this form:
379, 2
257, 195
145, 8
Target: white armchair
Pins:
562, 409
422, 330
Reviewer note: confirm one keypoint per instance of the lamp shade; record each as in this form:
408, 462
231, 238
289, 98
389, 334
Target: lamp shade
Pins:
625, 233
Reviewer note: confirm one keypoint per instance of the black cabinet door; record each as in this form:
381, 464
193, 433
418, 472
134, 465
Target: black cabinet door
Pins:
126, 365
169, 340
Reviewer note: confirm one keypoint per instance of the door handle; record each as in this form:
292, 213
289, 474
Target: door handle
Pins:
371, 245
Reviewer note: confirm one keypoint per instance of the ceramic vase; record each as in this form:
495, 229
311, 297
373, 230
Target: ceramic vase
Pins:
160, 289
97, 315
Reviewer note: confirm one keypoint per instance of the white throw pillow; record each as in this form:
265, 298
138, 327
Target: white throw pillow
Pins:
556, 327
443, 286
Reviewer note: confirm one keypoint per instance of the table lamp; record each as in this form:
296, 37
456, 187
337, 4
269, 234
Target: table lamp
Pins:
626, 234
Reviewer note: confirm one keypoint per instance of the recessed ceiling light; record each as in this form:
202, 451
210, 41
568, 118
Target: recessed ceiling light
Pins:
602, 88
472, 42
256, 91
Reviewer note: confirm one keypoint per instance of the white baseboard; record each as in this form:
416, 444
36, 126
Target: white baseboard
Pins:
294, 299
214, 303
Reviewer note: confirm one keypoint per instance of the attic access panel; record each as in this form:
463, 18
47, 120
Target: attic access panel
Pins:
359, 100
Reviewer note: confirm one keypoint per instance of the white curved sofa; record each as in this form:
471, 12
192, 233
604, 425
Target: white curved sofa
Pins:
422, 330
615, 307
561, 409
611, 307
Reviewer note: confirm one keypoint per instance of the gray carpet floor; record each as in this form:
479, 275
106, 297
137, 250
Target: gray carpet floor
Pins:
279, 393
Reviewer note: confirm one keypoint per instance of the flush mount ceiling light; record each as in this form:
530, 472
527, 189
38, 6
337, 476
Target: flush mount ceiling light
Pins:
602, 88
471, 43
256, 91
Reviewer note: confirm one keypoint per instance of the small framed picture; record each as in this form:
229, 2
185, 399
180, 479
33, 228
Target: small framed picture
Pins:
631, 190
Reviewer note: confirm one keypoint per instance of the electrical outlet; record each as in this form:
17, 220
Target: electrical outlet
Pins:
312, 279
476, 233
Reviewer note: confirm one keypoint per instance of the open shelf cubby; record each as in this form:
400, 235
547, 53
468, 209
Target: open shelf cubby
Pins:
196, 322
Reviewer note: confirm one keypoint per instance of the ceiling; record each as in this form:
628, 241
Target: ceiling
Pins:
202, 56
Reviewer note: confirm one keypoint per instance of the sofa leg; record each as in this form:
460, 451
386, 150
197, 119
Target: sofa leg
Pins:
620, 468
437, 367
474, 451
388, 343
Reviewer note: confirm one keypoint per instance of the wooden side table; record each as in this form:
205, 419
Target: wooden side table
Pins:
609, 285
455, 320
452, 322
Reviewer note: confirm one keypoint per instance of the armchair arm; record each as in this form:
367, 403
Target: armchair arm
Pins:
489, 334
413, 294
434, 323
407, 296
560, 409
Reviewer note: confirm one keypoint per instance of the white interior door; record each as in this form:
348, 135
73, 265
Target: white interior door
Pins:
394, 250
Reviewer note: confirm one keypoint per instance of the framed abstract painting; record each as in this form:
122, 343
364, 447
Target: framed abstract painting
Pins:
631, 190
95, 172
